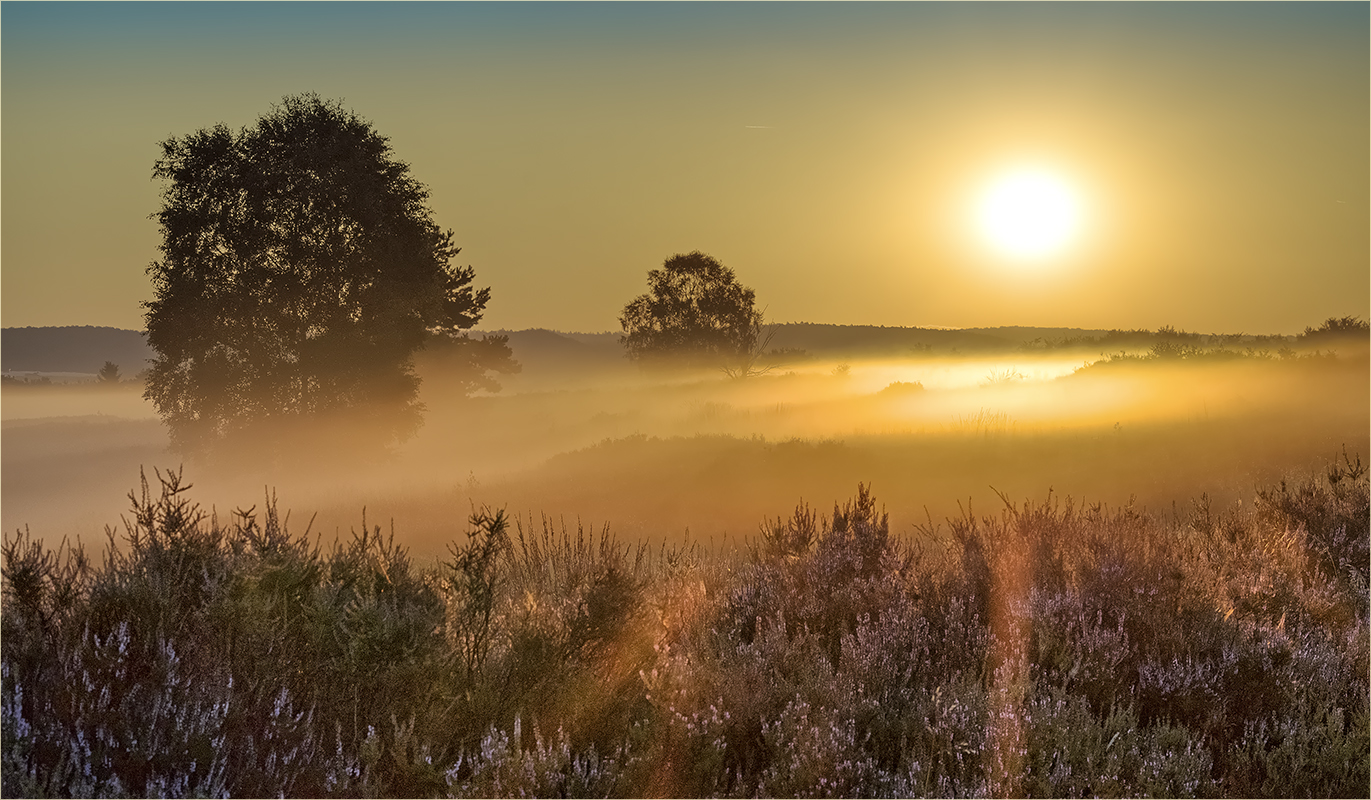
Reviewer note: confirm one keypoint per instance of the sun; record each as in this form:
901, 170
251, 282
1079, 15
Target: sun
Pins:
1029, 214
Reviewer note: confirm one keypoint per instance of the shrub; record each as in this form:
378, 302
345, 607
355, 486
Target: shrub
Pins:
902, 389
1049, 648
1335, 329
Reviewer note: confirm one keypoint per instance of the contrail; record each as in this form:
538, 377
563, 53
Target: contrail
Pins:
767, 127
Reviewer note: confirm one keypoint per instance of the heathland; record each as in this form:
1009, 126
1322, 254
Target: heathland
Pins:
1036, 561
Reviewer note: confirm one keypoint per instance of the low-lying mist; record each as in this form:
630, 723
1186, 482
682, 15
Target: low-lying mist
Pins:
663, 456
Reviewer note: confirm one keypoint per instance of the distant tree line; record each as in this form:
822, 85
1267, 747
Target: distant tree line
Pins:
82, 348
1334, 331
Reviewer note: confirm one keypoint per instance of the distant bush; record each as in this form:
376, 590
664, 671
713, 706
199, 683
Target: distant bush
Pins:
1002, 377
902, 389
1336, 331
787, 355
108, 374
14, 381
1340, 326
1048, 649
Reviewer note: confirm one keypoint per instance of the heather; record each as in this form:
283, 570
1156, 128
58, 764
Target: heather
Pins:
1046, 647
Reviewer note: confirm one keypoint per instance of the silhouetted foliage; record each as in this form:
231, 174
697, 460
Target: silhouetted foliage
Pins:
109, 373
1337, 329
695, 313
473, 582
902, 389
72, 348
301, 269
467, 363
14, 381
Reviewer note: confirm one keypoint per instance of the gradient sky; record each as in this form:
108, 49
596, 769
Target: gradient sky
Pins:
828, 153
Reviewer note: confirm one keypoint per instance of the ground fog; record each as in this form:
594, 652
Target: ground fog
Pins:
582, 435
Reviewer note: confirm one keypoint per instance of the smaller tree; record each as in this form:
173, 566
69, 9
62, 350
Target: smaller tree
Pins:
695, 313
108, 374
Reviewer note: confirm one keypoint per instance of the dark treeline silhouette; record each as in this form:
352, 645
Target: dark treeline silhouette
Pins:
83, 348
548, 351
1338, 331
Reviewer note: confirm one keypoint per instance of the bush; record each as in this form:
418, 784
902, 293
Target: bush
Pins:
1338, 330
902, 389
1048, 649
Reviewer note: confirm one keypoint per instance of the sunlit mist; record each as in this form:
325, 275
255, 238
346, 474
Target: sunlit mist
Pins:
496, 399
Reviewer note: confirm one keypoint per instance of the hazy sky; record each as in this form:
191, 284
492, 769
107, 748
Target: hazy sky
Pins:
830, 154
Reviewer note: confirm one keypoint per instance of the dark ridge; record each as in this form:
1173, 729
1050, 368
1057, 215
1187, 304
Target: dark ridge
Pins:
73, 348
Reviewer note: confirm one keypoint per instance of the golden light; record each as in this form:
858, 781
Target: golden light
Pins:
1029, 214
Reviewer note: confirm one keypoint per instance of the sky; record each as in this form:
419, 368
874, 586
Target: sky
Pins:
833, 155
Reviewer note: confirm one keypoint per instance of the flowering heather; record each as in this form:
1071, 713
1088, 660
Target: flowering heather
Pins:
1049, 649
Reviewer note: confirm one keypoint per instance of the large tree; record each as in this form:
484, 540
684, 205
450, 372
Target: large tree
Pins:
695, 313
301, 269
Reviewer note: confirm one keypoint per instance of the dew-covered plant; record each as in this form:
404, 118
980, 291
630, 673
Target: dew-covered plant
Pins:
1049, 648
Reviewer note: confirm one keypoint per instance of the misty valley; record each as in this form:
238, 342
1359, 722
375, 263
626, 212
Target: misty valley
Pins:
888, 562
326, 517
930, 419
396, 440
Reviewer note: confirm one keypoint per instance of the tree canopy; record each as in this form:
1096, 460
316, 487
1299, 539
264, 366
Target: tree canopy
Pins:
301, 269
695, 313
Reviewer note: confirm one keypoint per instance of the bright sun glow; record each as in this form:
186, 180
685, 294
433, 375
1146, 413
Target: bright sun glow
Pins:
1029, 214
